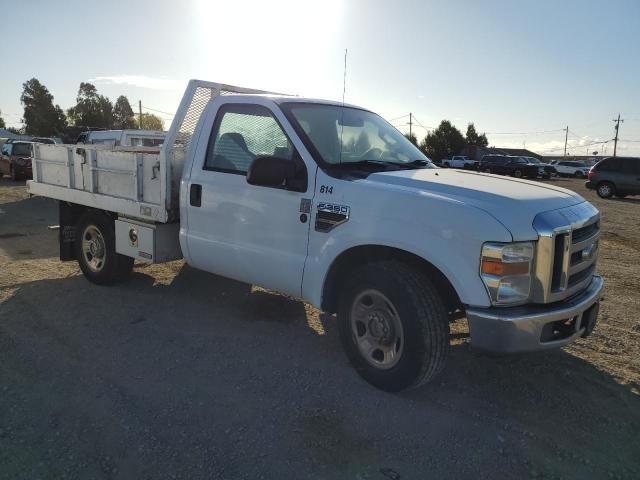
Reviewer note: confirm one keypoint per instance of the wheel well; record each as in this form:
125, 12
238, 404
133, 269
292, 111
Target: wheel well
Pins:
69, 216
356, 256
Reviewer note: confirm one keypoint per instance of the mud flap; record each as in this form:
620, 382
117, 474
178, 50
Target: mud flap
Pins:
67, 217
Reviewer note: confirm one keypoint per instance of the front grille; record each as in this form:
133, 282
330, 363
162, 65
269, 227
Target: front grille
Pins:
582, 275
583, 233
567, 251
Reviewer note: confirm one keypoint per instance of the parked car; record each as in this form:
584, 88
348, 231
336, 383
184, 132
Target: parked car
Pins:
123, 138
15, 159
549, 170
260, 189
508, 165
459, 161
566, 168
47, 140
619, 176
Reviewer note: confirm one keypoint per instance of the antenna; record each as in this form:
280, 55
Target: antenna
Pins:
344, 89
344, 77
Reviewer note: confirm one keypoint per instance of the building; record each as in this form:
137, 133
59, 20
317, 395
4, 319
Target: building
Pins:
476, 153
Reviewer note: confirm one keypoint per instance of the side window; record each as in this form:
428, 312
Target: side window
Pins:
610, 165
241, 133
5, 149
632, 166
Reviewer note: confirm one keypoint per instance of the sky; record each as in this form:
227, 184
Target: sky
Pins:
522, 71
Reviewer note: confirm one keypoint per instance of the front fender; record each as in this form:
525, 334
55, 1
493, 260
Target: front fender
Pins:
450, 237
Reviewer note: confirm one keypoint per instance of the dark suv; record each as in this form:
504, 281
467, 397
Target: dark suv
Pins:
619, 176
506, 165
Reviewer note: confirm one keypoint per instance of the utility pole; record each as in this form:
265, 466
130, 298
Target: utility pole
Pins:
140, 111
566, 137
410, 122
615, 140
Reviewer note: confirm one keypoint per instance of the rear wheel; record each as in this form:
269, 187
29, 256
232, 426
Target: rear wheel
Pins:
606, 190
393, 325
96, 250
517, 173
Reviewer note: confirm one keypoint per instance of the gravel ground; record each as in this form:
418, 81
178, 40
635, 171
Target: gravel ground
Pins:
182, 374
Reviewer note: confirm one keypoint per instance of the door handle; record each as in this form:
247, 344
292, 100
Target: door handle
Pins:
195, 195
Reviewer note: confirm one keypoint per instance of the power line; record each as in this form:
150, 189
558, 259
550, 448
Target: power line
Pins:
156, 110
418, 122
525, 133
398, 118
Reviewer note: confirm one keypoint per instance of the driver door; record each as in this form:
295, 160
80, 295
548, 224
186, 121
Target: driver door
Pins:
251, 233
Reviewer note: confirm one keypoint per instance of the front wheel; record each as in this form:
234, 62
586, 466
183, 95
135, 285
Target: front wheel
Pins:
96, 250
517, 173
393, 326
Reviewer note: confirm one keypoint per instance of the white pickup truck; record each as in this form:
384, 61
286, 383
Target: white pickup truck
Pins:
329, 203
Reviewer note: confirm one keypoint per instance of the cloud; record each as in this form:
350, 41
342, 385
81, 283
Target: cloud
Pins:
141, 81
575, 146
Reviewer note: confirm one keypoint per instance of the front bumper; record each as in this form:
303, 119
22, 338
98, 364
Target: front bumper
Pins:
535, 327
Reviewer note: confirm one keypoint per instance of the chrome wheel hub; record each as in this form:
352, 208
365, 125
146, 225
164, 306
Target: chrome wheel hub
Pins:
376, 329
93, 248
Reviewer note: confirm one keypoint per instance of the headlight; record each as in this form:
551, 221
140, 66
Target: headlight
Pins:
505, 269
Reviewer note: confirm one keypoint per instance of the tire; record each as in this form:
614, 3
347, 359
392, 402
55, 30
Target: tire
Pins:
517, 173
95, 250
446, 165
405, 302
578, 174
605, 190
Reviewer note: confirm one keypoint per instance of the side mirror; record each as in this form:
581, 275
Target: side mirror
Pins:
270, 171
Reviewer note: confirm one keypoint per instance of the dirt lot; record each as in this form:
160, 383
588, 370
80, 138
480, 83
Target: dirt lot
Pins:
182, 374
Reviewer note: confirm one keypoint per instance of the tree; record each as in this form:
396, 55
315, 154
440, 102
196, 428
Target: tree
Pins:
17, 131
473, 139
149, 122
412, 138
2, 124
91, 109
40, 116
444, 141
123, 114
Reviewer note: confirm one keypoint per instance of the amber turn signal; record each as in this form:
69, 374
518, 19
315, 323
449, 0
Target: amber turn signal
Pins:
501, 269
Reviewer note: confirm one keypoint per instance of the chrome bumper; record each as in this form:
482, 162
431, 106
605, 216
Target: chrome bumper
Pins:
535, 327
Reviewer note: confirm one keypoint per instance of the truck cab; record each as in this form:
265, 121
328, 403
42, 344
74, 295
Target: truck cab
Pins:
330, 203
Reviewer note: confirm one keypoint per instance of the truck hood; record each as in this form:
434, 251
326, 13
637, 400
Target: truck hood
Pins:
513, 202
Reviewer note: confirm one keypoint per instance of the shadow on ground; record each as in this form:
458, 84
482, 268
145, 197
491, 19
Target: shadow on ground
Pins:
204, 377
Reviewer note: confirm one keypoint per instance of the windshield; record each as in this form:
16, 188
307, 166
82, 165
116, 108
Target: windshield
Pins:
344, 134
21, 149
